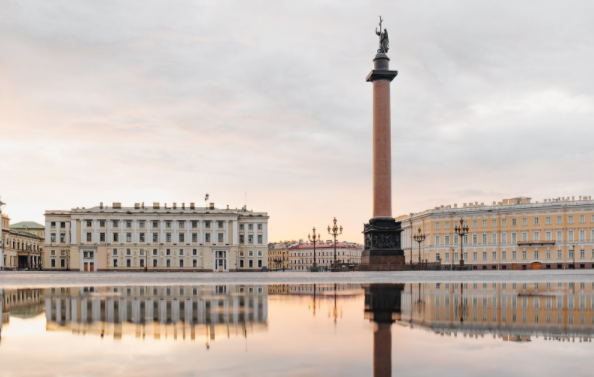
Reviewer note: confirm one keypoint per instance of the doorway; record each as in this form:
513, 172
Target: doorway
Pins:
220, 261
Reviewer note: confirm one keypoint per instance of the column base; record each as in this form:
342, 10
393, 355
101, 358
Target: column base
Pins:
382, 242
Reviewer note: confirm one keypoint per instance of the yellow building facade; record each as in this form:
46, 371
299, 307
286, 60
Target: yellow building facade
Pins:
511, 234
278, 255
162, 238
19, 248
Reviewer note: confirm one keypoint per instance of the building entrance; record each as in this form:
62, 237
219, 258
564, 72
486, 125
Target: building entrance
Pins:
23, 261
220, 261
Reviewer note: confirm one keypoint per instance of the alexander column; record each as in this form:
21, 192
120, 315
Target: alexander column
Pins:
382, 234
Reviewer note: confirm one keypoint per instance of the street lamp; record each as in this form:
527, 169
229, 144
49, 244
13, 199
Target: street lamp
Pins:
314, 240
335, 231
419, 237
573, 245
452, 251
461, 230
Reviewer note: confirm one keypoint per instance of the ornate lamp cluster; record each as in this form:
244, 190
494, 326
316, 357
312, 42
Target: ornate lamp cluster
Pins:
419, 237
335, 231
315, 238
461, 230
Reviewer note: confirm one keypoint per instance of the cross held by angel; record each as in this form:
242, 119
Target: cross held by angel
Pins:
384, 42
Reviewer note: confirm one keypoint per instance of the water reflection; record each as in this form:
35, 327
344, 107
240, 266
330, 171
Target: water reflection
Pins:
326, 315
178, 311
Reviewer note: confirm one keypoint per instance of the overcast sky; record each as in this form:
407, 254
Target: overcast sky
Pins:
142, 101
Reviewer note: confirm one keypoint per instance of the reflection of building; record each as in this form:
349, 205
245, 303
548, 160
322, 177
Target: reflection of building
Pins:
23, 303
20, 247
166, 238
510, 234
509, 311
382, 306
301, 254
178, 311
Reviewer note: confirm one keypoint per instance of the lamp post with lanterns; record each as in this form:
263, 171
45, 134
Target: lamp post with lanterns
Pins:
335, 231
315, 238
573, 245
461, 230
419, 237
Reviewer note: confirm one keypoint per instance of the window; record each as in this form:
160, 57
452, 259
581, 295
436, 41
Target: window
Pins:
437, 239
155, 263
168, 263
484, 255
241, 263
141, 224
89, 223
181, 262
514, 255
535, 254
514, 222
168, 224
474, 256
582, 234
220, 235
447, 225
115, 252
128, 224
168, 252
447, 257
437, 225
207, 224
115, 223
559, 235
503, 237
141, 237
250, 253
570, 235
167, 237
504, 222
241, 238
53, 237
115, 237
194, 263
128, 263
559, 220
128, 252
548, 235
455, 239
250, 239
474, 224
484, 238
155, 237
536, 235
181, 252
128, 237
250, 226
181, 224
102, 237
260, 253
220, 224
474, 239
155, 224
259, 262
524, 221
559, 254
62, 262
194, 225
259, 226
447, 239
536, 221
207, 237
582, 254
494, 255
62, 237
141, 262
523, 254
194, 237
154, 251
53, 224
194, 252
582, 219
548, 221
548, 254
524, 236
570, 219
260, 239
504, 255
241, 227
484, 223
88, 237
181, 237
251, 263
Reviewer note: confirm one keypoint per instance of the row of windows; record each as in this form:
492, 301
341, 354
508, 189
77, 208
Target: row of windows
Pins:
514, 286
323, 253
155, 224
536, 255
514, 237
17, 245
168, 238
535, 221
155, 252
181, 263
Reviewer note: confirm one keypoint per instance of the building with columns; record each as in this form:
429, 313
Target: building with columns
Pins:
162, 238
510, 234
19, 248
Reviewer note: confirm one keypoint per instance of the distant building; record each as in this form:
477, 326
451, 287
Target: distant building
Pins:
511, 234
19, 247
301, 254
278, 255
164, 238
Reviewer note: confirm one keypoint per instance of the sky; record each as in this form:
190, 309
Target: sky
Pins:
265, 103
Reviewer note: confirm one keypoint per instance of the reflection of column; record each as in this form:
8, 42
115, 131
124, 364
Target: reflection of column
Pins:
382, 350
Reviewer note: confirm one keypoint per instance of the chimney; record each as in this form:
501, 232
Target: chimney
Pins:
155, 205
211, 206
142, 205
117, 205
455, 205
227, 206
572, 198
183, 205
174, 205
136, 205
101, 205
192, 206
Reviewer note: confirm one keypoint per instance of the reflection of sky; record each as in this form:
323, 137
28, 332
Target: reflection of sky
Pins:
295, 343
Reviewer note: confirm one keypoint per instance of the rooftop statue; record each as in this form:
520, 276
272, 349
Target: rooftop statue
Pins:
384, 42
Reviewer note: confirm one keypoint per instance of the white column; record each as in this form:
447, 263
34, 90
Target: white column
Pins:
236, 232
48, 227
265, 233
201, 232
161, 231
188, 231
74, 238
68, 233
174, 231
226, 234
135, 236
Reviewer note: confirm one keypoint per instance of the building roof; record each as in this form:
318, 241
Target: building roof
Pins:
27, 224
22, 232
326, 245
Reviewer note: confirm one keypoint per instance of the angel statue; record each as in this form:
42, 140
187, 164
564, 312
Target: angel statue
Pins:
384, 42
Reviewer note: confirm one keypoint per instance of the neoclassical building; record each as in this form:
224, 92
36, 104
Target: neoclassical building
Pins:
160, 237
510, 234
19, 247
278, 255
301, 254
